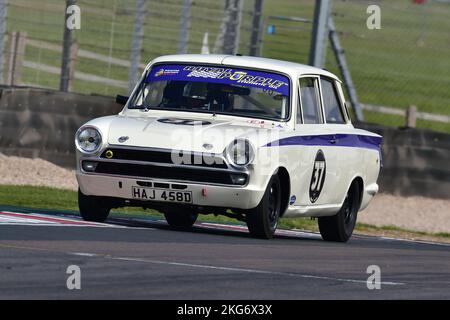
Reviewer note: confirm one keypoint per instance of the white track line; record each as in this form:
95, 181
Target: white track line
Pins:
233, 269
210, 267
298, 275
84, 254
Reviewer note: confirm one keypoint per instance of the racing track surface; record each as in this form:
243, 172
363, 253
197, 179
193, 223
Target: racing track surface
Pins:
145, 259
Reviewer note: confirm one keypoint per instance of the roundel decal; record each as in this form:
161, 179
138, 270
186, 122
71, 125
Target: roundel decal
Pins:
318, 177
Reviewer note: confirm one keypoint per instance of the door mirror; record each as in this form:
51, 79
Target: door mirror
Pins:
122, 100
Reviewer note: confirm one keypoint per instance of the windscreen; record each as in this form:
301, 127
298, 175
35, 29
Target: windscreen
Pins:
235, 91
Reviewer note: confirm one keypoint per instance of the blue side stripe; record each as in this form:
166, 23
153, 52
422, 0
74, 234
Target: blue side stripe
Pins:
342, 140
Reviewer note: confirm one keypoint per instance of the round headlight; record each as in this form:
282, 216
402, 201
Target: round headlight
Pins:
88, 140
240, 152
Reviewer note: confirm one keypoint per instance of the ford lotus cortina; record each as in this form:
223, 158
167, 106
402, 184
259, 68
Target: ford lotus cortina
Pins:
250, 138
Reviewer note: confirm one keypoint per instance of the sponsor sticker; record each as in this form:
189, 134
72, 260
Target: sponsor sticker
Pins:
267, 81
166, 72
293, 199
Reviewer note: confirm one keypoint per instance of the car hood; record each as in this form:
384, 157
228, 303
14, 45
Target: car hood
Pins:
184, 133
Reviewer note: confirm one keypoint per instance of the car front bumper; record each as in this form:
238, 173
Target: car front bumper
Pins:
205, 195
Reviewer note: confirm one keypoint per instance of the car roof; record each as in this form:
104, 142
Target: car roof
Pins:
291, 68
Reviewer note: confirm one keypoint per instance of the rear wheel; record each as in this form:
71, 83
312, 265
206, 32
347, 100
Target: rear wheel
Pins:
93, 208
184, 218
339, 228
262, 221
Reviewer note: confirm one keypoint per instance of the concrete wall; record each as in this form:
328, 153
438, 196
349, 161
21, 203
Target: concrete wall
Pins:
416, 162
42, 123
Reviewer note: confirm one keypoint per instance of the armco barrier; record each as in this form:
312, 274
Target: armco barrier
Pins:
42, 123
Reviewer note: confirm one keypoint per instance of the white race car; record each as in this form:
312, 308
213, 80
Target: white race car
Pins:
251, 138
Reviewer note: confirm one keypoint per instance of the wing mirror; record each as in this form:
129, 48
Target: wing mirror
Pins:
122, 100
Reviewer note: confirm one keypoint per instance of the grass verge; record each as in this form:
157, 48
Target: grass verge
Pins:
58, 199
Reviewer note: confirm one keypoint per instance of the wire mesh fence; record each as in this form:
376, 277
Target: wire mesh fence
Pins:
406, 62
105, 38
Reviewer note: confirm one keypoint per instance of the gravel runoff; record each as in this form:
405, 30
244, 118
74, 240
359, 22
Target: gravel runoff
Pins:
412, 213
35, 172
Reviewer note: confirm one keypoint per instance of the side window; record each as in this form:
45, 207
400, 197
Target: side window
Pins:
309, 101
331, 103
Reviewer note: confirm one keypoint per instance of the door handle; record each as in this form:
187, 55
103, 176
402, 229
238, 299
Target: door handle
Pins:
333, 140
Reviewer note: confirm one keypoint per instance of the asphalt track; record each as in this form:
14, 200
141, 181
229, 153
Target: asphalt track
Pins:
145, 259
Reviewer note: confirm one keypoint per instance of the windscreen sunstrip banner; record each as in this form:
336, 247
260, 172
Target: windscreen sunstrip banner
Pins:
243, 77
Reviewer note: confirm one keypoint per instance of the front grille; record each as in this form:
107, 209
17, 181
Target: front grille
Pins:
171, 173
205, 160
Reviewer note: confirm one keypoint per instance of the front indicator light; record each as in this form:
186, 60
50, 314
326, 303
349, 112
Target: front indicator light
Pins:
89, 166
238, 178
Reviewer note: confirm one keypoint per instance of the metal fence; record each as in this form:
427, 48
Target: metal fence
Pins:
406, 62
105, 46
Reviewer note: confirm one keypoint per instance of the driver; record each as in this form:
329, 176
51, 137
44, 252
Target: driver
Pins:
219, 98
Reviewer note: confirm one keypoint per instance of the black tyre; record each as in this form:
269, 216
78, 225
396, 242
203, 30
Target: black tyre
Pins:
93, 208
339, 228
262, 221
182, 218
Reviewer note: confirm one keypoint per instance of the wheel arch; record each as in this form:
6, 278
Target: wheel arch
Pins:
285, 182
359, 180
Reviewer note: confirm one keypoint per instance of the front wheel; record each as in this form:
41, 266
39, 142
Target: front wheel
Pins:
339, 228
184, 218
93, 208
262, 221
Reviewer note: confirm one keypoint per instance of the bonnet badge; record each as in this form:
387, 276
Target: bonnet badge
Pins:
207, 146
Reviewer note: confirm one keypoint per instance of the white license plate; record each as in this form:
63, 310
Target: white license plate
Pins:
152, 194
